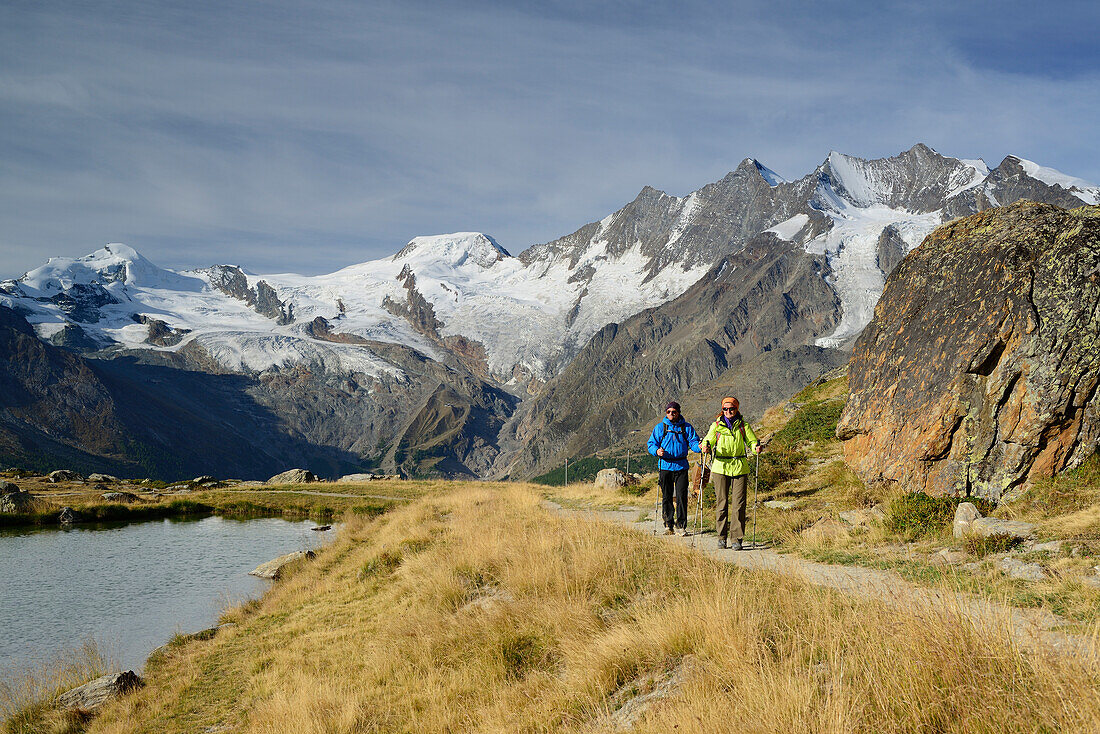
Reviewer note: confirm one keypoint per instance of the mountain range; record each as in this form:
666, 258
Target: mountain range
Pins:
452, 356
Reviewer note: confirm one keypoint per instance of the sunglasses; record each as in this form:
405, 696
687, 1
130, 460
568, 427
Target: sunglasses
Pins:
729, 408
673, 411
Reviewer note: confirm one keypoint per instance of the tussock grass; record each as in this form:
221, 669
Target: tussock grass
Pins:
27, 699
475, 610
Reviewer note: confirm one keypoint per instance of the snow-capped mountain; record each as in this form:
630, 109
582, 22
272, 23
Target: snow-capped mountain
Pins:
449, 319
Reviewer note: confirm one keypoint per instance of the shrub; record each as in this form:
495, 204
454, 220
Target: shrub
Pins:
812, 422
984, 545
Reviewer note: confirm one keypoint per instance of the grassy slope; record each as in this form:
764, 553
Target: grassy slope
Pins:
474, 610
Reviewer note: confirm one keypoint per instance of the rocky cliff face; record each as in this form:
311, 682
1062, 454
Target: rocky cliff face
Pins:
980, 370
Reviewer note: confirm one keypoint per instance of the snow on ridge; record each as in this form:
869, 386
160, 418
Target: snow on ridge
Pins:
1079, 187
851, 247
773, 178
691, 205
787, 229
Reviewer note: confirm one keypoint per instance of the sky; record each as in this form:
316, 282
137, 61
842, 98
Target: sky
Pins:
307, 136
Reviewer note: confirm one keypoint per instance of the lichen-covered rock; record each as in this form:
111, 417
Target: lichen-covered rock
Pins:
293, 476
1017, 569
14, 499
979, 372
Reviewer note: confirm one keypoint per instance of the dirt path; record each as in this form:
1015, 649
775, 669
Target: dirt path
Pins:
1034, 629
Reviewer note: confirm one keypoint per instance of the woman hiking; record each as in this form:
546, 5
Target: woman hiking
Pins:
732, 438
670, 441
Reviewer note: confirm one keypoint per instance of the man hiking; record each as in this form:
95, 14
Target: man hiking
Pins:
732, 439
670, 442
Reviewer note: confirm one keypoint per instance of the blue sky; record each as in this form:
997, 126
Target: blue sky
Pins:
291, 136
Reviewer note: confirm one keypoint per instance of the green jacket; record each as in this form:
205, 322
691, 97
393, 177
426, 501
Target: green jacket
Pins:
730, 452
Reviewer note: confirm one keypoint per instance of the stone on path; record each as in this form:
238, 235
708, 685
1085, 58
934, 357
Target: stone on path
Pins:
94, 694
273, 568
293, 476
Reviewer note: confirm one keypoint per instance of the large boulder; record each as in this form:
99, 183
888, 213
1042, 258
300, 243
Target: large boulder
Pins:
614, 479
94, 694
104, 478
979, 372
64, 475
14, 499
293, 476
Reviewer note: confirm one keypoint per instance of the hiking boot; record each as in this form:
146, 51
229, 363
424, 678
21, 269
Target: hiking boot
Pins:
721, 544
684, 532
669, 531
736, 544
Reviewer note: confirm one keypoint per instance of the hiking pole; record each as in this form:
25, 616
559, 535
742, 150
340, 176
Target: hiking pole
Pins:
755, 491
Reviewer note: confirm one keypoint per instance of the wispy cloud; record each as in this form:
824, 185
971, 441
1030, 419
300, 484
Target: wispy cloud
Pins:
293, 136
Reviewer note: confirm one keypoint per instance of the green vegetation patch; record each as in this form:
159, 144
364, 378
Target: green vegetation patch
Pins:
985, 545
919, 515
586, 469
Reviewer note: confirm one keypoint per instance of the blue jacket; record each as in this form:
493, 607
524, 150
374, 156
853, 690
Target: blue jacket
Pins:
675, 439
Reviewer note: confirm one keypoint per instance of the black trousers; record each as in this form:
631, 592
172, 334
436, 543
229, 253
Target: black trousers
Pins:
674, 483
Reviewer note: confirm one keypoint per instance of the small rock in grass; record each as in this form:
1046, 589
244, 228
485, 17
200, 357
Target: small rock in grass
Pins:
988, 526
94, 694
273, 568
349, 478
863, 517
119, 497
948, 557
1054, 547
779, 504
1017, 569
825, 530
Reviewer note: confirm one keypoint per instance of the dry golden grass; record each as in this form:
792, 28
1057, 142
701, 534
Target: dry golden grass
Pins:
474, 610
26, 700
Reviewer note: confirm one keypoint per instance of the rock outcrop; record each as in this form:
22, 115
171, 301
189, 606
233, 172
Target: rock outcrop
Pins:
979, 372
293, 476
614, 479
